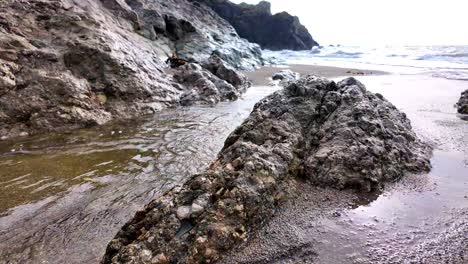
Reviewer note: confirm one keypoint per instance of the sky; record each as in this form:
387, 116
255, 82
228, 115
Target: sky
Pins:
380, 22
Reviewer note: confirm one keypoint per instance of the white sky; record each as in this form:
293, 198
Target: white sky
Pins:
380, 22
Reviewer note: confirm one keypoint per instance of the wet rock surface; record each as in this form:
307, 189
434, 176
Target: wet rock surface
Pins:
212, 84
285, 77
93, 61
315, 131
257, 24
462, 105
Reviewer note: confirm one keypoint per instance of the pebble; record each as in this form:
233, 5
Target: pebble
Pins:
24, 134
4, 138
196, 208
159, 259
184, 212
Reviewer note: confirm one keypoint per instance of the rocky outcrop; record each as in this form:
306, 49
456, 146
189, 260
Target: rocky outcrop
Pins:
68, 64
257, 24
210, 84
462, 105
329, 134
285, 75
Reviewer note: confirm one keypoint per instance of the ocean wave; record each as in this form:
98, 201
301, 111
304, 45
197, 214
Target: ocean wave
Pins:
442, 56
452, 75
341, 54
450, 62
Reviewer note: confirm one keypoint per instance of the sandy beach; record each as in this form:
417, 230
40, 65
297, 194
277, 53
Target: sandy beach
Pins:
261, 75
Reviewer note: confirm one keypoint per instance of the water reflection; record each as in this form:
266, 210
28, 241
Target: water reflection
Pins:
63, 197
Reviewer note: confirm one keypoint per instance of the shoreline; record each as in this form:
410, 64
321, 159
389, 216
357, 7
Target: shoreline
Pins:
262, 75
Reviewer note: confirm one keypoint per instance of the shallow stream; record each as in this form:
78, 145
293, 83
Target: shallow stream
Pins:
63, 197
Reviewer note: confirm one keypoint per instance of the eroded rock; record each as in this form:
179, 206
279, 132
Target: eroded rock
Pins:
72, 64
206, 87
285, 77
331, 134
462, 105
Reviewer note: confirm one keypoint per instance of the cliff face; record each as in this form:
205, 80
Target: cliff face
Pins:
73, 63
258, 25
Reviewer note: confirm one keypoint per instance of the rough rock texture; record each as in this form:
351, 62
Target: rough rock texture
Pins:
462, 105
285, 75
257, 24
337, 135
212, 84
68, 64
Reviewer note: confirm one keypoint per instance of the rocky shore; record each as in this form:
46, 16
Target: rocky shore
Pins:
315, 131
67, 64
462, 105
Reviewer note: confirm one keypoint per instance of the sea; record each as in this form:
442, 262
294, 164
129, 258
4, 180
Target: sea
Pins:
450, 62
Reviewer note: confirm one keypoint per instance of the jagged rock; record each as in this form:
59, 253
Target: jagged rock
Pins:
462, 105
257, 24
70, 64
337, 135
286, 75
206, 87
216, 66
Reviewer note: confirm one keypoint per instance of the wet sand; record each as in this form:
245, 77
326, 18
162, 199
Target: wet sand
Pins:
261, 76
420, 219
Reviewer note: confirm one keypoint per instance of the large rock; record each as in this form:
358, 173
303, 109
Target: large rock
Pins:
206, 87
257, 24
68, 64
337, 135
462, 105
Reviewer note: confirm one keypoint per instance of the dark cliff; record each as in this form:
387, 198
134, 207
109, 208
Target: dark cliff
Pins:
257, 24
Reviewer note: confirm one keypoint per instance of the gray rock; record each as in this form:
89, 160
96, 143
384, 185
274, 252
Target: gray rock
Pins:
462, 105
206, 87
332, 134
74, 64
286, 75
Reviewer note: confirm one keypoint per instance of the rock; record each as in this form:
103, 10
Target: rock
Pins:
94, 61
205, 87
286, 75
332, 134
219, 68
462, 105
184, 212
257, 24
355, 72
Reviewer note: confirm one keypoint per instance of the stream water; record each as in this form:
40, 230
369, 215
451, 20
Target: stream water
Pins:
63, 197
